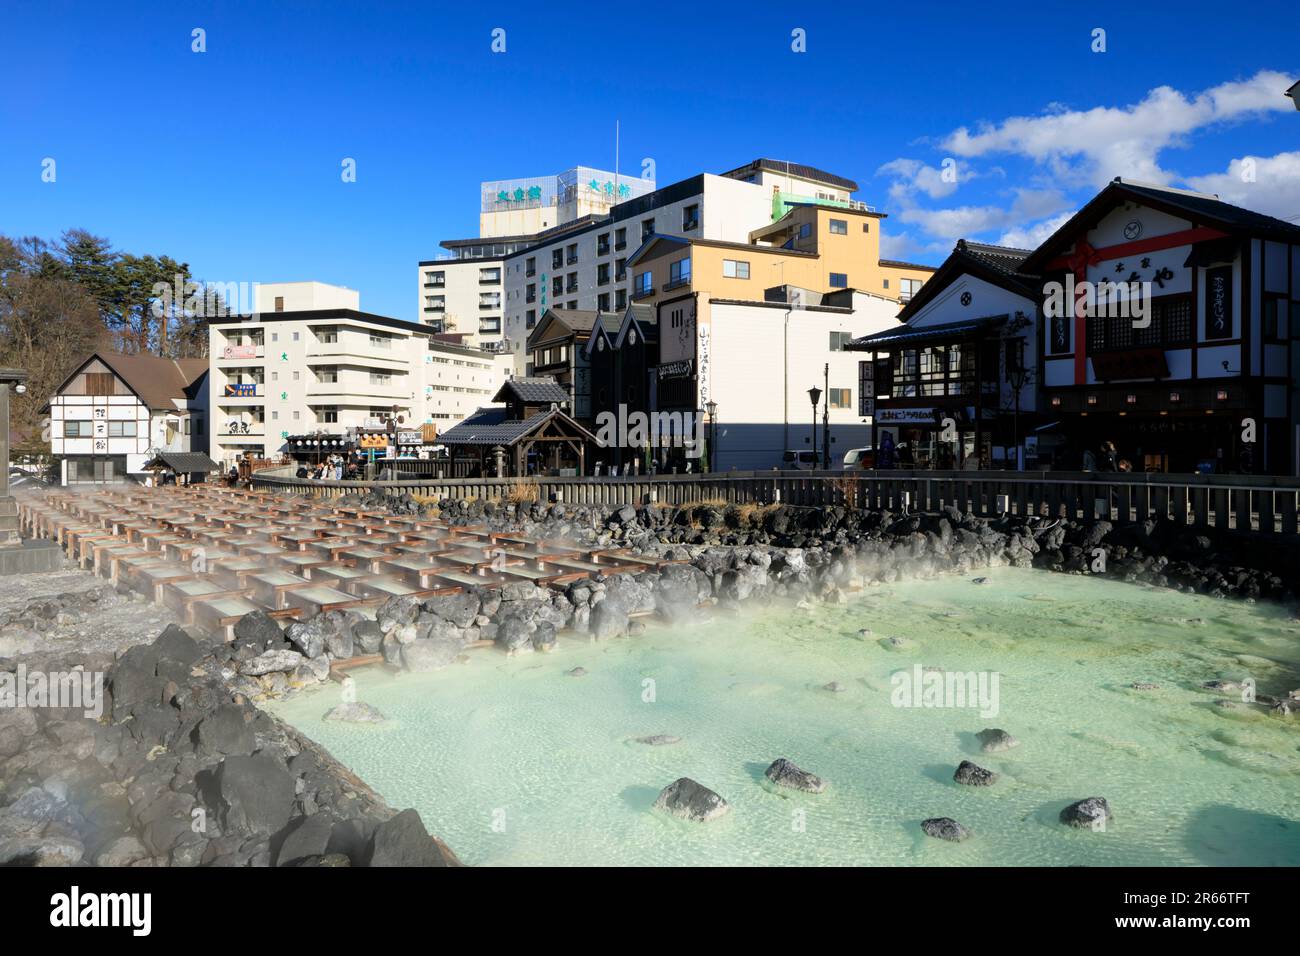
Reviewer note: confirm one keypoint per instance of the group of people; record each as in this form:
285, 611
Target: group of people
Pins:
333, 468
1105, 459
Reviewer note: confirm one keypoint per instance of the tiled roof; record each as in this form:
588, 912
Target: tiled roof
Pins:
186, 462
532, 391
489, 426
160, 382
1202, 208
905, 334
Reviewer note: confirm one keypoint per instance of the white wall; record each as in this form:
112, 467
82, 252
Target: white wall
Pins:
303, 296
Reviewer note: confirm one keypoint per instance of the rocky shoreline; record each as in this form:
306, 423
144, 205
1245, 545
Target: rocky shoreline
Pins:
182, 768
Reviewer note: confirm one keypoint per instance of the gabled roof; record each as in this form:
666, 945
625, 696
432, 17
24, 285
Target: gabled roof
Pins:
531, 391
644, 318
999, 265
793, 169
489, 426
159, 383
575, 322
1200, 208
184, 462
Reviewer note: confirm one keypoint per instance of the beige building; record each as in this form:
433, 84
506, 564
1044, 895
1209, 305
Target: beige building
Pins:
331, 368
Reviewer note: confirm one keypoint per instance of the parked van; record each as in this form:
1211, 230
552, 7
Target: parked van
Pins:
856, 459
805, 460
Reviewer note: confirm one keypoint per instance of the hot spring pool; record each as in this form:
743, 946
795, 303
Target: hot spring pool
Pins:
513, 762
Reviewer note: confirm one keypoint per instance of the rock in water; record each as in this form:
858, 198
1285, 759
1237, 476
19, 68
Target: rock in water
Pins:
659, 740
994, 741
835, 687
944, 828
688, 800
1092, 813
783, 773
355, 712
576, 672
1144, 685
973, 775
979, 580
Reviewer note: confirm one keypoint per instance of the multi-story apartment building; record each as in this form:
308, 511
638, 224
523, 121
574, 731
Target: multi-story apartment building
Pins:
462, 292
115, 412
329, 367
584, 265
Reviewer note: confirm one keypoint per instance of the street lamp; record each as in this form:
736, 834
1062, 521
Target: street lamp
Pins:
712, 408
814, 395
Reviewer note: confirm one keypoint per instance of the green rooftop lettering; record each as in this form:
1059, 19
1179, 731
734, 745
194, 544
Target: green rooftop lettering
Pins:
519, 195
503, 196
595, 186
534, 192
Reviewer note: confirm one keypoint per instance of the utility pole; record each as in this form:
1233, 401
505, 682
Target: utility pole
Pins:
826, 420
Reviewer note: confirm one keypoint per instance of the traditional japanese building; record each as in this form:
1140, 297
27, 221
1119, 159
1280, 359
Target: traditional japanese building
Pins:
1205, 377
954, 386
529, 435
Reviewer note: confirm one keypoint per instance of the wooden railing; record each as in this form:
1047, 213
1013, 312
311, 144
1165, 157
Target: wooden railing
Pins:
1236, 502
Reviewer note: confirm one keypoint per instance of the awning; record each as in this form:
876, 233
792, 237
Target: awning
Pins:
907, 335
183, 462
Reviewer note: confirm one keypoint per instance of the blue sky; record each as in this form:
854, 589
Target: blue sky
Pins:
230, 159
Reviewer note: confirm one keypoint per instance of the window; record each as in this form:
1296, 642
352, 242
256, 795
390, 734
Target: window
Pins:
571, 282
489, 276
295, 376
679, 274
530, 293
805, 230
275, 336
839, 227
275, 416
530, 266
839, 280
839, 340
77, 430
735, 269
647, 229
297, 415
279, 303
602, 302
328, 415
691, 217
530, 318
435, 279
275, 376
620, 299
840, 398
381, 378
620, 239
644, 284
886, 283
602, 244
296, 336
620, 270
329, 374
866, 227
908, 288
1272, 312
330, 336
99, 383
380, 341
557, 287
573, 254
602, 274
557, 258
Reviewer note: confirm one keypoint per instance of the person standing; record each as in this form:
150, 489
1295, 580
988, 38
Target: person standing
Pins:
1109, 460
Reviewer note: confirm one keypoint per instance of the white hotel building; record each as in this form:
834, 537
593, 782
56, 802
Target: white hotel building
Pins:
311, 362
462, 291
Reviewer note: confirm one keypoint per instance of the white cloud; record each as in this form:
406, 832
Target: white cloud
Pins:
965, 221
912, 176
1267, 184
904, 248
1032, 235
1092, 146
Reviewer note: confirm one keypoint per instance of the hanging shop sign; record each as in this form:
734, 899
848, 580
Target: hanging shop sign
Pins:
410, 438
373, 441
681, 369
239, 352
905, 416
1218, 303
241, 390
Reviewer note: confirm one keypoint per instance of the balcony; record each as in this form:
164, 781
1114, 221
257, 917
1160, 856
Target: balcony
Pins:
435, 308
620, 245
638, 294
572, 259
677, 283
602, 249
437, 284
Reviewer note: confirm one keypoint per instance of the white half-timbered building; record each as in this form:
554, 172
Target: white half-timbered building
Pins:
115, 412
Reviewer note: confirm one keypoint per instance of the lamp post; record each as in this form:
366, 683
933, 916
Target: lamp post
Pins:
1016, 375
814, 395
712, 408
